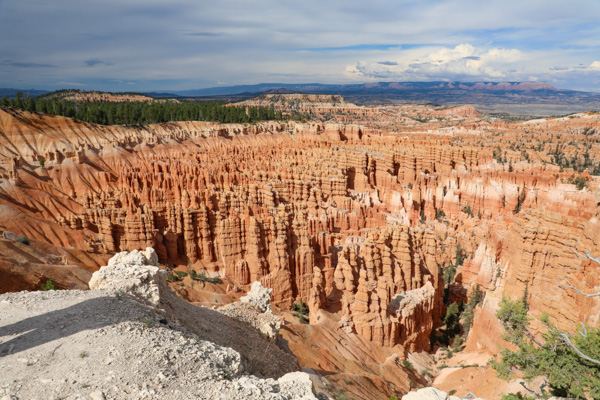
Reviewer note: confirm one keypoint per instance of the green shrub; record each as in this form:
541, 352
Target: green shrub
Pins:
517, 396
449, 273
451, 319
467, 210
176, 276
203, 278
49, 285
301, 311
440, 215
580, 182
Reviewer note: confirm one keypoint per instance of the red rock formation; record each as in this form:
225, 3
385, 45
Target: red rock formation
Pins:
355, 220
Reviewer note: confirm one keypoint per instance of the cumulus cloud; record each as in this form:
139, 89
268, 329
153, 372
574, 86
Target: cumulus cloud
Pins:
463, 61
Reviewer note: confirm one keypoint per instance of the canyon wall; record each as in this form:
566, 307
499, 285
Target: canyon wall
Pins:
354, 220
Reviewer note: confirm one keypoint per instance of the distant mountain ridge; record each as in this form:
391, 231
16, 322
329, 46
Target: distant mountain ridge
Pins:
525, 98
371, 87
10, 92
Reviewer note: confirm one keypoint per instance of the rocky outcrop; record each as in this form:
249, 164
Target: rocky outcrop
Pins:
198, 352
259, 297
317, 106
134, 272
259, 314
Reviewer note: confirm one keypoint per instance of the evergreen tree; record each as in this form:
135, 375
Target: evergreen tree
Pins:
570, 363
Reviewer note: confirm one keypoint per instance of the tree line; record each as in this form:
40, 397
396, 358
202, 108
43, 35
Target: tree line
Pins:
142, 113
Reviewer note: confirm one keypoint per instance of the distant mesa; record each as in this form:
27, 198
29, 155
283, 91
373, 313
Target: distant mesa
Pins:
100, 97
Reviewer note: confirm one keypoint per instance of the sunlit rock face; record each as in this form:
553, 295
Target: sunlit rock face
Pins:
352, 219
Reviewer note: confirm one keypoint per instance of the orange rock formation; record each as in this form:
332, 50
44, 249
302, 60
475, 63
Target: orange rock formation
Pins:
354, 220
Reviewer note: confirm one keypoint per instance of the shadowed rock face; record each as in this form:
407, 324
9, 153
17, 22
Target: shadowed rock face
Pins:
344, 217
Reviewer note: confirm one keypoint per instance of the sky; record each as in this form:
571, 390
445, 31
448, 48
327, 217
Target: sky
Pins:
148, 45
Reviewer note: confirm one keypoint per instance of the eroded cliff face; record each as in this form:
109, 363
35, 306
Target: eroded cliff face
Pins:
354, 220
291, 205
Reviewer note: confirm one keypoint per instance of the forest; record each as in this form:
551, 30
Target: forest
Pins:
141, 113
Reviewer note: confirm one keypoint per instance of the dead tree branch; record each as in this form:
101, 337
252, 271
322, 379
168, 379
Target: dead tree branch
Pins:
579, 291
565, 338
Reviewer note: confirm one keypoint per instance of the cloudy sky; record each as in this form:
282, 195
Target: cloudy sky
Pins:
137, 45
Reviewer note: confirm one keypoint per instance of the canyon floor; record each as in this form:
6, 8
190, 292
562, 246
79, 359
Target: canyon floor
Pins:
374, 219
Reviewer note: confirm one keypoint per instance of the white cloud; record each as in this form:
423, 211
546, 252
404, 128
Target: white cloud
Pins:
463, 61
186, 44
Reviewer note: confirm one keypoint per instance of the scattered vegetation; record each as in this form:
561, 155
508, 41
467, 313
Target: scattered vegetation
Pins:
408, 364
176, 276
516, 396
520, 199
580, 182
49, 285
450, 270
468, 313
203, 278
467, 210
301, 311
452, 319
83, 354
336, 393
440, 215
146, 320
580, 161
497, 155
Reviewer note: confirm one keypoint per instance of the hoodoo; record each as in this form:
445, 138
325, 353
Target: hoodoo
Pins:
368, 231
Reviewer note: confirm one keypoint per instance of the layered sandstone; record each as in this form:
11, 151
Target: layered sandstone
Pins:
355, 220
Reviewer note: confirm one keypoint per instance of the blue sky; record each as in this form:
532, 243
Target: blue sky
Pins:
142, 45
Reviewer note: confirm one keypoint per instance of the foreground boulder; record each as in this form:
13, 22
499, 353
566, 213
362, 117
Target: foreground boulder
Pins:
259, 296
134, 272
